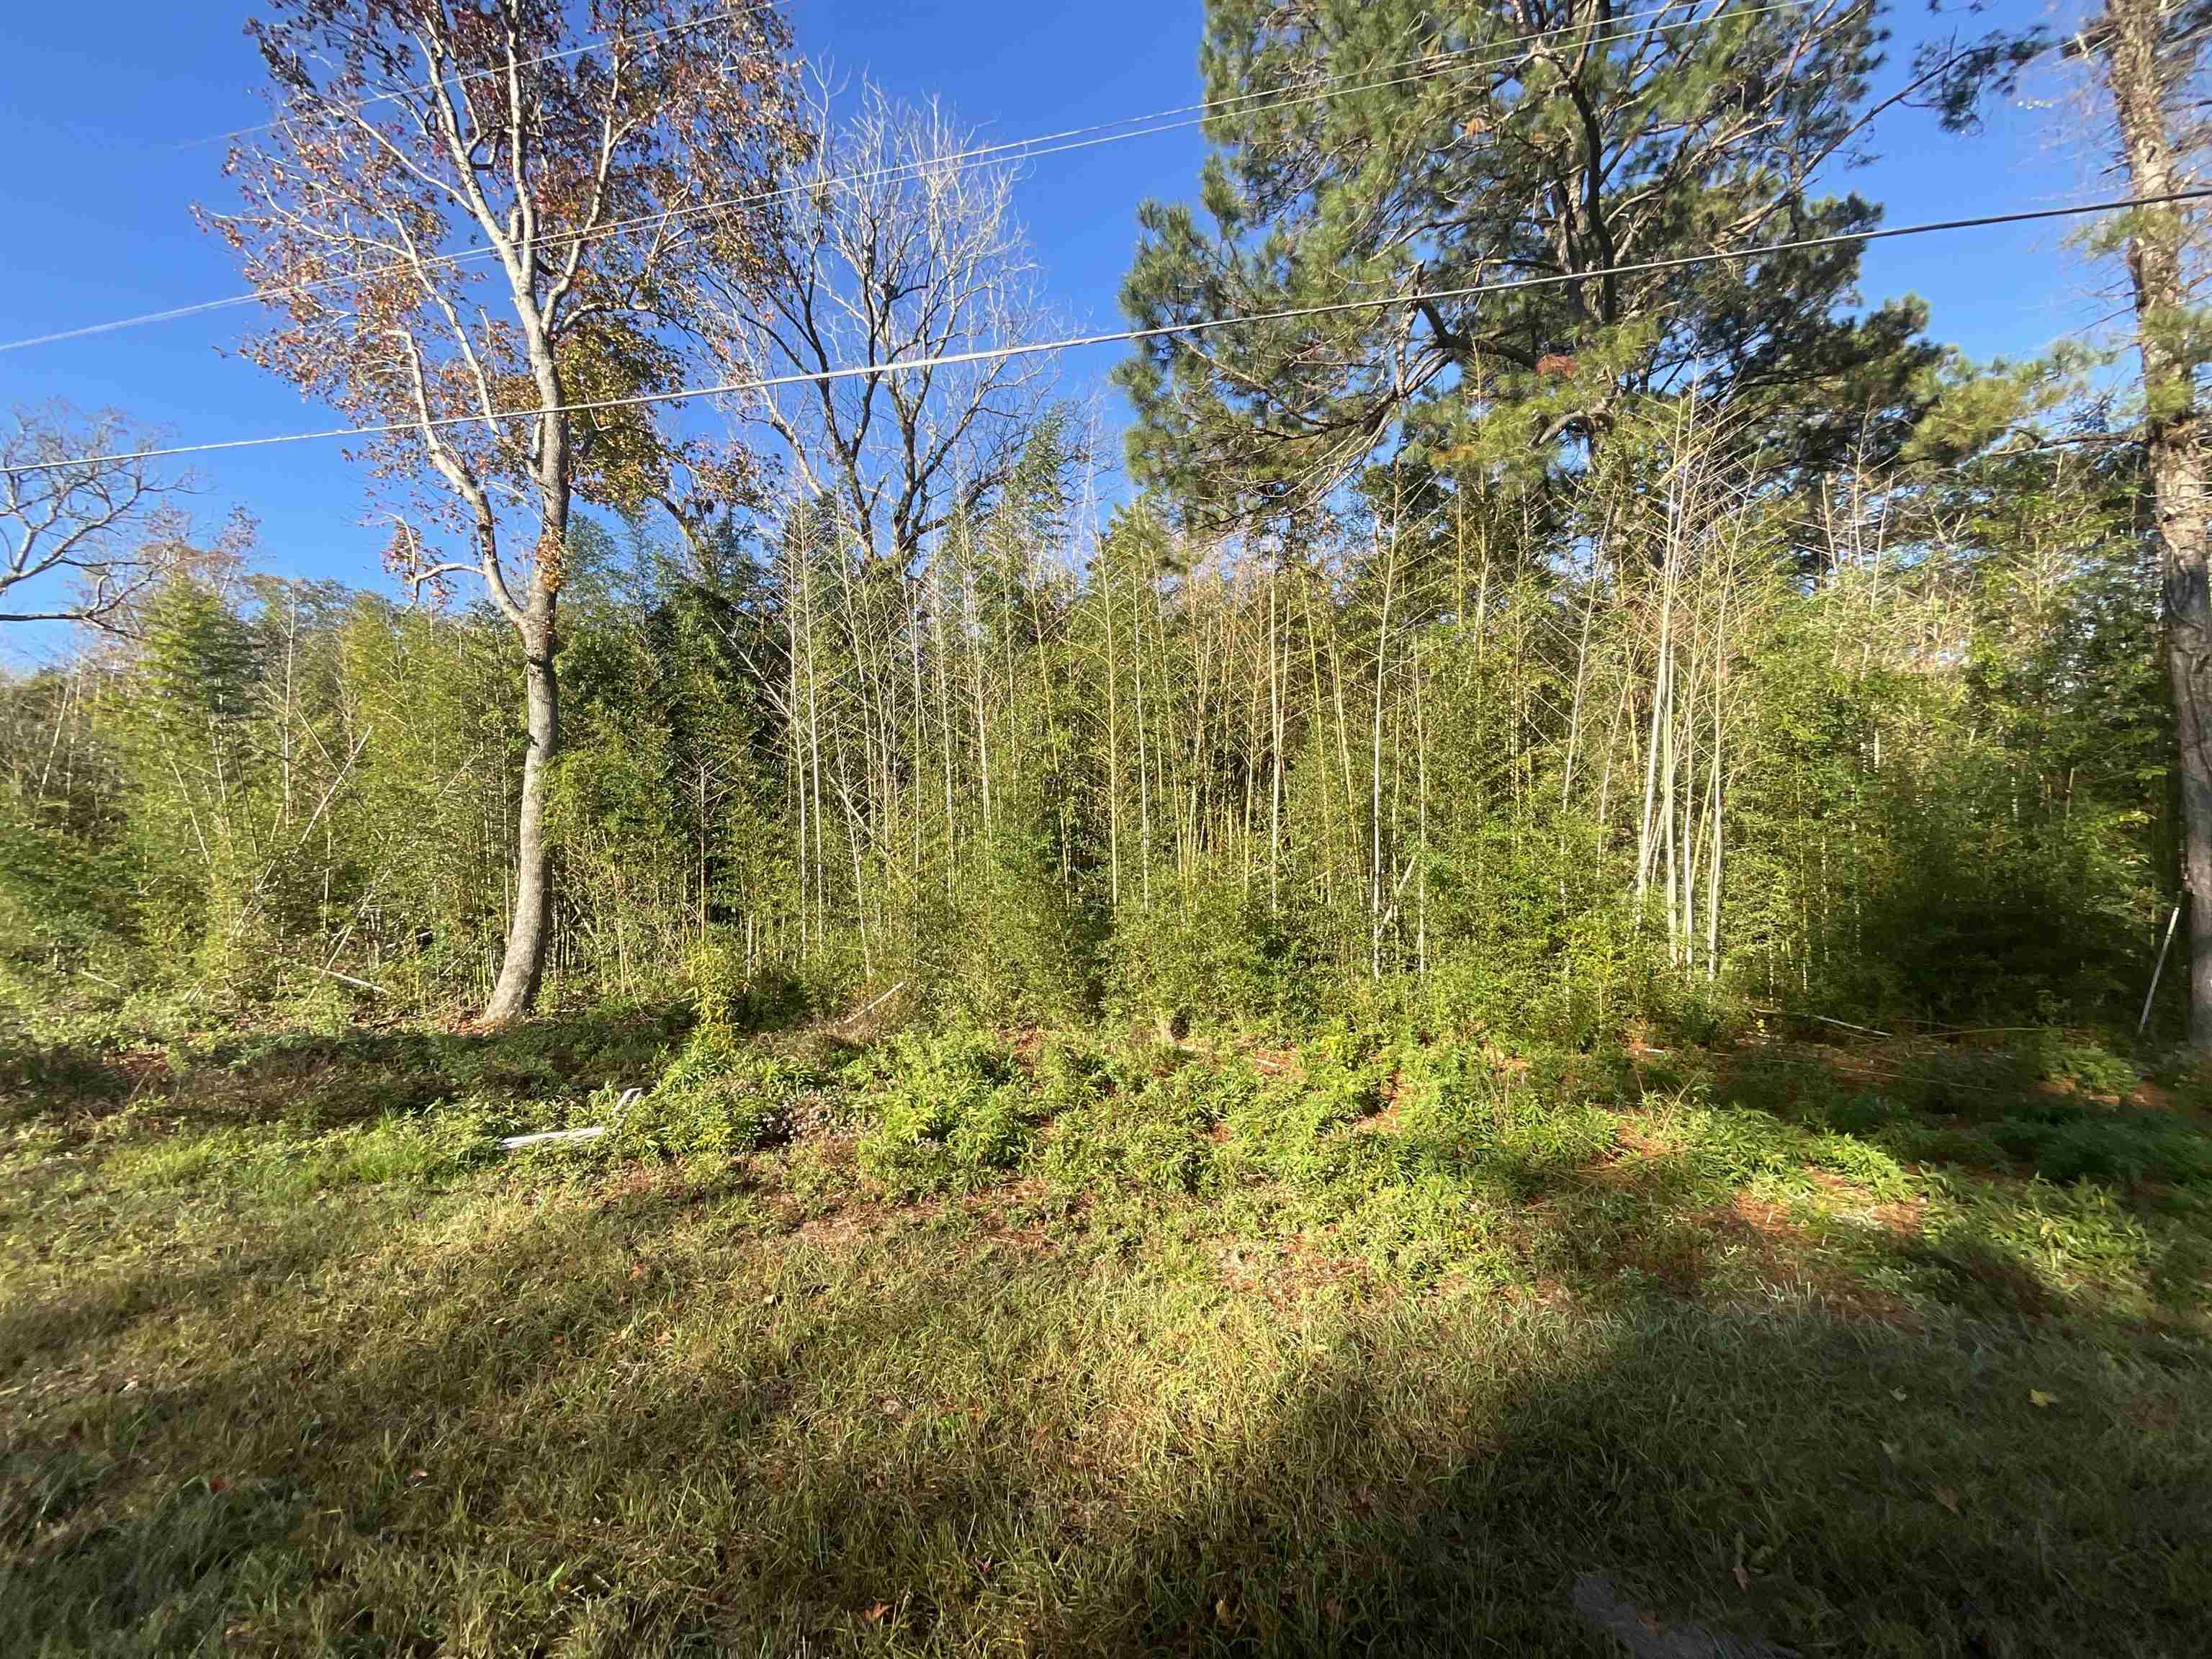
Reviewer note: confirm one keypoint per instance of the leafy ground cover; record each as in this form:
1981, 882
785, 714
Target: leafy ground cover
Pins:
983, 1342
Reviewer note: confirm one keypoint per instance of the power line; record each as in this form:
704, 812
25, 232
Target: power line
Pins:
465, 75
1004, 153
1129, 336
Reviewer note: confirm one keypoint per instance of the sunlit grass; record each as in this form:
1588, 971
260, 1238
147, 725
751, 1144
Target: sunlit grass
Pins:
1374, 1354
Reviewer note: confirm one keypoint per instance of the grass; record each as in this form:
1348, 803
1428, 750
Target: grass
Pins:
965, 1345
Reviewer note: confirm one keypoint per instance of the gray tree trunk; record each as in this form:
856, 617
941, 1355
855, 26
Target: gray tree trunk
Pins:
2129, 37
528, 924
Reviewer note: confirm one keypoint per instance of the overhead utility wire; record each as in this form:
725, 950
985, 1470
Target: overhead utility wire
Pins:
1127, 336
1425, 65
1008, 151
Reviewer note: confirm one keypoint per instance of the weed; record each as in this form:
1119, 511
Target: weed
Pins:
720, 1098
943, 1112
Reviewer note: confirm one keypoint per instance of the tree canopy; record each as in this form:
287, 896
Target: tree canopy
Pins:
1526, 166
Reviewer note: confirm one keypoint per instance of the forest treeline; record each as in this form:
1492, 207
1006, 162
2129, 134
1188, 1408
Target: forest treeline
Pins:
1667, 740
1664, 633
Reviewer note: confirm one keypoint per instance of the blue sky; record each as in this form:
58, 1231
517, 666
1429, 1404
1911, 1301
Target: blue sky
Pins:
102, 171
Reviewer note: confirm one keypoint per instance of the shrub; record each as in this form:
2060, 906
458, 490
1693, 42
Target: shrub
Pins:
729, 998
720, 1098
2091, 1069
945, 1110
1861, 1161
1141, 1116
1212, 954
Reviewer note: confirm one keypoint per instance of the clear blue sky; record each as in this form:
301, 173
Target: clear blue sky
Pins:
103, 107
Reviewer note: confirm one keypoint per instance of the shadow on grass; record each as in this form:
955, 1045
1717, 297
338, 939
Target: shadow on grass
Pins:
1974, 1107
555, 1420
328, 1080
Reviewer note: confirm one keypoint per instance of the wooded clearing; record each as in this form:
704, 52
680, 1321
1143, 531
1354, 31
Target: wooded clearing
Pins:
1506, 948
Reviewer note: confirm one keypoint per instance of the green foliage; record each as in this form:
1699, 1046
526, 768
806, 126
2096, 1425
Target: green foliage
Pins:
720, 1098
1552, 159
1244, 1418
1212, 954
943, 1112
410, 1151
731, 996
64, 911
2091, 1069
1988, 1109
1404, 764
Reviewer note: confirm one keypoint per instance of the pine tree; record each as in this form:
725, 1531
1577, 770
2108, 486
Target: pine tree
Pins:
1401, 148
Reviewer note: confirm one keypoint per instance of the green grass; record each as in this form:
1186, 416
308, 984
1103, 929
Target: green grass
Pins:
1101, 1346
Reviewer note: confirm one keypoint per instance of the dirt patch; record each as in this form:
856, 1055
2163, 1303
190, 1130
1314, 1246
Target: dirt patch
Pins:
1385, 1121
1625, 1163
148, 1071
1782, 1254
1290, 1271
632, 1184
1767, 1220
1904, 1219
1842, 1186
837, 1231
1901, 1216
2151, 1096
994, 1211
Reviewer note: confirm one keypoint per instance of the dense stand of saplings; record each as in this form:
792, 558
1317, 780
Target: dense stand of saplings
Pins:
1679, 737
1681, 641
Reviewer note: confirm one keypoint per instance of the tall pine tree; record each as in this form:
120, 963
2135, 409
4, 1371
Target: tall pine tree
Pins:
1372, 149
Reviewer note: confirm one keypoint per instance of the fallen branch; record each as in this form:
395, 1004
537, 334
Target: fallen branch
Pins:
872, 1007
1848, 1026
546, 1136
345, 979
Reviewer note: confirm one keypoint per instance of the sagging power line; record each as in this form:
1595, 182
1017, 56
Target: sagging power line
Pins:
1178, 118
1131, 336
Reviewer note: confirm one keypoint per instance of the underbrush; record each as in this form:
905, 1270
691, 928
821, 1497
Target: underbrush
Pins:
2063, 1112
720, 1098
1420, 1163
92, 1066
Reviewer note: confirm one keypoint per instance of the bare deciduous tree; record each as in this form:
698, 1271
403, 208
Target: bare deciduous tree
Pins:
900, 246
467, 214
80, 539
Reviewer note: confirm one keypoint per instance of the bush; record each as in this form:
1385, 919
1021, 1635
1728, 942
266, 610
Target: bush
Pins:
945, 1110
2092, 1070
1142, 1116
729, 998
721, 1099
1209, 955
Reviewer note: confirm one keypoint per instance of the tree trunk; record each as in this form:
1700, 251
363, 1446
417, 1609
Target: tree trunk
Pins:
518, 971
2130, 41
